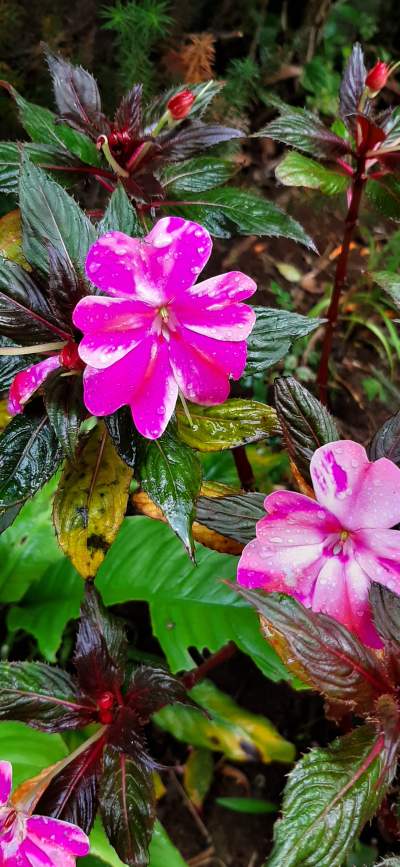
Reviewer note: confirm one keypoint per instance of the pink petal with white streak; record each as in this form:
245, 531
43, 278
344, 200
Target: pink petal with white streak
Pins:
28, 381
5, 781
68, 837
378, 553
153, 403
221, 322
107, 390
223, 289
341, 591
229, 356
200, 379
289, 570
294, 519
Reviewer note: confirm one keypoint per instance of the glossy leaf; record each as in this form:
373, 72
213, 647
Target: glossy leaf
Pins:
389, 282
72, 794
44, 155
200, 173
255, 806
386, 442
29, 548
11, 237
170, 473
75, 90
100, 651
29, 456
150, 688
227, 210
124, 434
49, 604
321, 651
50, 215
226, 727
302, 129
28, 750
234, 516
330, 795
189, 607
386, 612
127, 807
65, 285
63, 397
43, 127
10, 365
120, 215
43, 696
296, 170
227, 425
352, 87
273, 334
25, 314
384, 195
90, 502
186, 140
162, 851
306, 424
198, 775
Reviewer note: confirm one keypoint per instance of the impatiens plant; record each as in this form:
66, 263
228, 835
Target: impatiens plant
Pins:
122, 371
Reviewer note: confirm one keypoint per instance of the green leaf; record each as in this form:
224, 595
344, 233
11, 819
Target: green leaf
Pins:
302, 129
50, 215
227, 425
48, 606
330, 795
29, 751
227, 209
170, 473
389, 282
127, 806
273, 334
29, 456
200, 173
198, 775
120, 215
384, 195
90, 502
29, 547
306, 424
190, 607
247, 805
44, 127
225, 727
65, 408
162, 851
40, 154
296, 170
234, 515
322, 651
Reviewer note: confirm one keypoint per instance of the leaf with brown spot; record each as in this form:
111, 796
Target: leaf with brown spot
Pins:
90, 502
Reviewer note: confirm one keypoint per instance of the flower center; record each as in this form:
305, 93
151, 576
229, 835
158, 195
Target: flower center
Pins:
339, 544
105, 705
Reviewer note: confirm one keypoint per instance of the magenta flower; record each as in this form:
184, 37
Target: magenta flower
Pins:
326, 552
35, 841
155, 334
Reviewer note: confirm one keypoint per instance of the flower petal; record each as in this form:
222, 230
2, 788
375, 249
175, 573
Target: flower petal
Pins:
223, 289
359, 493
378, 554
95, 314
152, 269
36, 856
28, 381
199, 378
107, 390
295, 519
221, 322
289, 570
229, 356
341, 590
154, 401
5, 781
68, 837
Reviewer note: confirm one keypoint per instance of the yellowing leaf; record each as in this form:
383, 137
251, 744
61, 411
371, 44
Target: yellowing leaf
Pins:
4, 415
197, 775
226, 426
90, 502
227, 728
11, 238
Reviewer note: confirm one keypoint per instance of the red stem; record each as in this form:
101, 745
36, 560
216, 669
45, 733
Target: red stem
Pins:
340, 277
84, 170
105, 184
190, 679
244, 468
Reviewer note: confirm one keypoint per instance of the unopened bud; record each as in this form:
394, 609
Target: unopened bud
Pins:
69, 357
377, 77
179, 105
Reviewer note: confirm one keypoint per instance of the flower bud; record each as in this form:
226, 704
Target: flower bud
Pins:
179, 105
377, 77
69, 357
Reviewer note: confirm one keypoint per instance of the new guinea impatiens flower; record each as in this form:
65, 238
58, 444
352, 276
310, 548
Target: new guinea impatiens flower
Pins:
326, 552
27, 382
155, 334
35, 841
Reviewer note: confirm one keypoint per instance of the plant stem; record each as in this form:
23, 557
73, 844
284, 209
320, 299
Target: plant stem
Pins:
190, 679
340, 277
244, 468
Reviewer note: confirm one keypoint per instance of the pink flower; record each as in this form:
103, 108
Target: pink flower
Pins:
27, 381
326, 552
35, 841
155, 334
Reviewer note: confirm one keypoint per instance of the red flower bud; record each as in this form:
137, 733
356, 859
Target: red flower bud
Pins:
179, 105
69, 357
377, 76
105, 704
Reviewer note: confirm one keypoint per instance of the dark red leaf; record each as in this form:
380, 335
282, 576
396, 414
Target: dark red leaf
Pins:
126, 735
43, 696
190, 137
128, 116
25, 315
127, 807
66, 286
368, 134
152, 688
386, 442
386, 612
352, 86
101, 645
76, 94
72, 794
